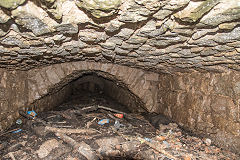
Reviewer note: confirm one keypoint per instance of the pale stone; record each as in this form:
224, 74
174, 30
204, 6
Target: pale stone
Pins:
228, 26
3, 17
162, 14
47, 147
71, 13
176, 4
225, 11
100, 8
91, 51
92, 36
43, 23
196, 10
11, 4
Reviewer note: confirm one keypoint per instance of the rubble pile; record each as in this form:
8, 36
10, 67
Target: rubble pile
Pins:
92, 132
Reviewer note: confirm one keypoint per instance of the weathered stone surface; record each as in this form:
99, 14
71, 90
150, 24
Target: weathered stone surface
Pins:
91, 51
3, 17
92, 36
108, 45
135, 14
120, 51
32, 23
164, 41
176, 4
11, 4
228, 26
47, 147
151, 5
113, 26
67, 28
2, 33
13, 41
162, 14
71, 13
206, 41
201, 33
151, 27
148, 34
228, 37
226, 11
124, 34
100, 8
192, 14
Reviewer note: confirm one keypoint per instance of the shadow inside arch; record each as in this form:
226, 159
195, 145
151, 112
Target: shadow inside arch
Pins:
93, 85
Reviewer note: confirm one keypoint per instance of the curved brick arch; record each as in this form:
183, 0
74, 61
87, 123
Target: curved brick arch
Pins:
140, 83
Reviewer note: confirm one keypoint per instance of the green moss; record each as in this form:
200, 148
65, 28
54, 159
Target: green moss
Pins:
201, 10
11, 4
100, 8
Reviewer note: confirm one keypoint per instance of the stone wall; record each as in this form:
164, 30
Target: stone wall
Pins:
13, 96
48, 87
164, 36
140, 83
204, 103
135, 41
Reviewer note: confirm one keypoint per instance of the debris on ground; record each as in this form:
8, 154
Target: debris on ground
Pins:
100, 131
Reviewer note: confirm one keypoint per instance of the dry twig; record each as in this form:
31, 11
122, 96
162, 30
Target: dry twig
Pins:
160, 150
70, 131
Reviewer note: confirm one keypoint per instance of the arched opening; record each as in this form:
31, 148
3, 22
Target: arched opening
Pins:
87, 88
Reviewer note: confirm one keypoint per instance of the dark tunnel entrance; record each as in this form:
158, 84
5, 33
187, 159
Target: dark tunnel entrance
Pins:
99, 88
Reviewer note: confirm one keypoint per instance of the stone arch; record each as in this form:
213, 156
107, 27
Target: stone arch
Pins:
141, 83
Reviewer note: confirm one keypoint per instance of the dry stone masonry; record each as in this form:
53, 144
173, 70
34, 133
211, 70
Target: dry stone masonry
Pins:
180, 57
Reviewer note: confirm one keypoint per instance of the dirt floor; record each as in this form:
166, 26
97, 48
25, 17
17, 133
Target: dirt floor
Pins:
86, 128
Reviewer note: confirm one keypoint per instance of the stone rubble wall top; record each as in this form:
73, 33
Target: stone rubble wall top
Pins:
158, 35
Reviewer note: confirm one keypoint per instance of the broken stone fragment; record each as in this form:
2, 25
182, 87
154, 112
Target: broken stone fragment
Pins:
47, 147
124, 34
11, 4
100, 8
202, 33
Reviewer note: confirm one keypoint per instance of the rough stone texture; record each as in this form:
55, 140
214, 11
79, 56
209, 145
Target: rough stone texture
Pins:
100, 8
13, 96
11, 4
134, 79
181, 38
204, 103
123, 36
47, 147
